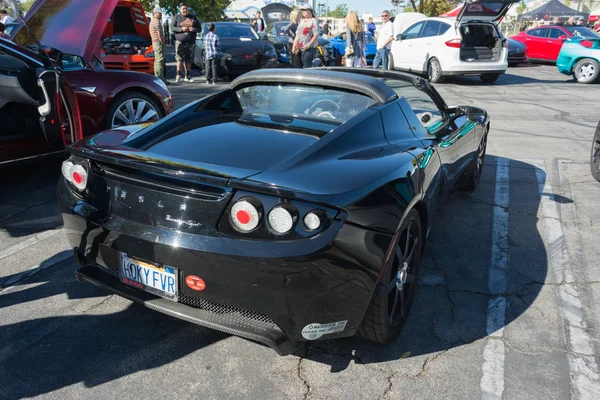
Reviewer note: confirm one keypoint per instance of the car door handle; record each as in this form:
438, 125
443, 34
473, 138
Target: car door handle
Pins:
527, 38
428, 44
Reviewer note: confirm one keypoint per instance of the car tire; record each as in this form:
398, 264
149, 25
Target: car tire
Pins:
120, 102
471, 180
586, 71
391, 62
489, 78
434, 71
390, 304
595, 156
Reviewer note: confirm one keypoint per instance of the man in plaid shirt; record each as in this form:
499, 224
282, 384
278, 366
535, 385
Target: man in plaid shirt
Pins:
211, 52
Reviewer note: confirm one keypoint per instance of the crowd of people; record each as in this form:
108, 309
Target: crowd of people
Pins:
572, 21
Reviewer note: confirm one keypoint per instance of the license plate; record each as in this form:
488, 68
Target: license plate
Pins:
158, 280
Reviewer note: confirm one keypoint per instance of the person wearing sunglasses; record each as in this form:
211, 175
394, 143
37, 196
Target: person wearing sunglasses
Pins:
384, 42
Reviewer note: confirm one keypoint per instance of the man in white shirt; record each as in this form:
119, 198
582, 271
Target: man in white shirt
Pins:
5, 18
384, 41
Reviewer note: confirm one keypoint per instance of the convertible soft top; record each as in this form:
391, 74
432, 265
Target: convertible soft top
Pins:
359, 83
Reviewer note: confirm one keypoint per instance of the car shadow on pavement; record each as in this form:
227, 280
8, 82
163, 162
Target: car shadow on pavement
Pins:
28, 197
451, 304
91, 337
507, 79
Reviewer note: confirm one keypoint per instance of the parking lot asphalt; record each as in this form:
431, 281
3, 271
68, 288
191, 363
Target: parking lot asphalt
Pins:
508, 303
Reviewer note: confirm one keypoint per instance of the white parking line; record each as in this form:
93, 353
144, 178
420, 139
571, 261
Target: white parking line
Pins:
26, 243
492, 380
584, 375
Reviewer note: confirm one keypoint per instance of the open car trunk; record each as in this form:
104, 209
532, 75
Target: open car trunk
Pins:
480, 42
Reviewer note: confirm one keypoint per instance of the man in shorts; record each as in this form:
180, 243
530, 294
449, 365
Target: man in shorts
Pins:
184, 26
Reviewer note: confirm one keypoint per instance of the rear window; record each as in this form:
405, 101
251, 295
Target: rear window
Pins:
581, 31
487, 9
285, 103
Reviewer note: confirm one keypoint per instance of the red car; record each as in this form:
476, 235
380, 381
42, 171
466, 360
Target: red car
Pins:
544, 43
54, 89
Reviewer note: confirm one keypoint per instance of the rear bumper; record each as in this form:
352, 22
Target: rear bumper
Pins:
517, 57
268, 292
230, 321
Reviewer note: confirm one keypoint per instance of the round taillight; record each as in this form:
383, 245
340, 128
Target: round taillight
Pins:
78, 177
244, 216
280, 220
312, 221
66, 167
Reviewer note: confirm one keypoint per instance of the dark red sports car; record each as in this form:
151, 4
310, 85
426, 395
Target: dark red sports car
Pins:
54, 89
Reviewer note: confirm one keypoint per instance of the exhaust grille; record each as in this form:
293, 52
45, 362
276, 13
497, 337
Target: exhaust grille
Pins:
241, 315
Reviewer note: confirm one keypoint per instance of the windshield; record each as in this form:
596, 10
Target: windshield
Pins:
287, 103
280, 28
233, 31
581, 31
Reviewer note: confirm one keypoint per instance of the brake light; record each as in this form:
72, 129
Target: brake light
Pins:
244, 216
586, 43
455, 43
75, 174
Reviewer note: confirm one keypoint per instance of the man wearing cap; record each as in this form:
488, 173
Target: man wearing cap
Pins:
185, 27
158, 43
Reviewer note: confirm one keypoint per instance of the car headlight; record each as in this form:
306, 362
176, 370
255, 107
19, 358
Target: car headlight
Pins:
161, 84
149, 55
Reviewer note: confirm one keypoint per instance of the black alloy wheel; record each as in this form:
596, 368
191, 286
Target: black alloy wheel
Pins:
595, 156
394, 295
474, 174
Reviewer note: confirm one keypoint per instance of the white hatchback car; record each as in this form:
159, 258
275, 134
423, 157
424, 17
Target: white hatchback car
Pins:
471, 44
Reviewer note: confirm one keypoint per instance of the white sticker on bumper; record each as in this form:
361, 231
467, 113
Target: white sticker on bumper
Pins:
315, 331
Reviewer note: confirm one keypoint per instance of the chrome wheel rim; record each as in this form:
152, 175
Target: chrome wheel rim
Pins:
596, 153
134, 111
434, 70
402, 277
586, 71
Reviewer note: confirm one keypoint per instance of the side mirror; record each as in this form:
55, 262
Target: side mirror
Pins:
70, 62
476, 115
400, 37
562, 38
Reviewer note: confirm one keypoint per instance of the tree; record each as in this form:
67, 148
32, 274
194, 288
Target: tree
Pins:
433, 8
26, 5
205, 10
339, 12
522, 7
568, 3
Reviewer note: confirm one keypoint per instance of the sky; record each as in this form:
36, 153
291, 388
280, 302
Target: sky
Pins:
363, 6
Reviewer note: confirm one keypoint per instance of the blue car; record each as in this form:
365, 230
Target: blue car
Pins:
580, 57
339, 46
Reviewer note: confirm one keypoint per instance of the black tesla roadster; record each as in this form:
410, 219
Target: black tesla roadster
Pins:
291, 206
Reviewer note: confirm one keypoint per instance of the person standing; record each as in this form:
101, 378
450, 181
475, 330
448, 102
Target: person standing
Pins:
5, 18
355, 40
291, 29
326, 29
258, 23
384, 41
307, 36
166, 32
371, 27
185, 27
158, 43
211, 51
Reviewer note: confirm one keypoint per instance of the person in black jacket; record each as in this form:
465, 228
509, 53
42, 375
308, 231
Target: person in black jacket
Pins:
185, 27
258, 23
